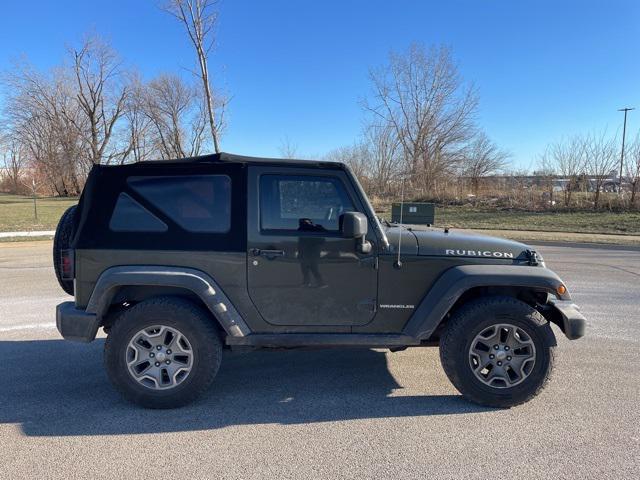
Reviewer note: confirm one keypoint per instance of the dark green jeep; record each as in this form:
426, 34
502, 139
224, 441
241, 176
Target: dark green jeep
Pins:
178, 260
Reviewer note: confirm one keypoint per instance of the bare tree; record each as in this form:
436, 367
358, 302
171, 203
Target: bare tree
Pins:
139, 143
547, 172
384, 158
42, 116
482, 157
601, 160
375, 159
569, 159
420, 95
288, 149
14, 164
199, 18
632, 167
101, 94
175, 111
355, 157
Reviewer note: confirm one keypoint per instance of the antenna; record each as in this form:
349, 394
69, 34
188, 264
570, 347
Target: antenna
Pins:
398, 263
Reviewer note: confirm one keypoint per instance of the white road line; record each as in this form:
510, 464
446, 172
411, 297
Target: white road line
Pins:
28, 326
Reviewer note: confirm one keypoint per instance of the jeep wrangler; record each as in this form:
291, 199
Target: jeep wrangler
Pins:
178, 260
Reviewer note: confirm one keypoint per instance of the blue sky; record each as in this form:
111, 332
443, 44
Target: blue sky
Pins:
297, 69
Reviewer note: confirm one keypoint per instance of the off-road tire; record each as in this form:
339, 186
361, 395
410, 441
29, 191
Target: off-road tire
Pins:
472, 318
62, 241
191, 320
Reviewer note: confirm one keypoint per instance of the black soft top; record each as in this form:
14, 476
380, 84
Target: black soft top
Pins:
106, 183
228, 158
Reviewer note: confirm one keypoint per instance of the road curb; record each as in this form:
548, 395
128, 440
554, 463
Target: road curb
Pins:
42, 233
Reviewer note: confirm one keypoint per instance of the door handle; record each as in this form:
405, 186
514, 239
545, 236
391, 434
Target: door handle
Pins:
267, 253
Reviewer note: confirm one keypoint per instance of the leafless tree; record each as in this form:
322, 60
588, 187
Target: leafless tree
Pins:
420, 95
482, 157
547, 172
199, 18
101, 94
632, 167
175, 111
375, 159
42, 116
384, 158
288, 149
139, 144
569, 157
355, 157
14, 164
601, 160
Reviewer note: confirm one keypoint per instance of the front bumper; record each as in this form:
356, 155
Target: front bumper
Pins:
573, 323
76, 324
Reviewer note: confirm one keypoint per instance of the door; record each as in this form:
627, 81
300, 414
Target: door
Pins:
301, 271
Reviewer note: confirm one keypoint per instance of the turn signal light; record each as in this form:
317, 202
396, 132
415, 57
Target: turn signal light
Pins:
561, 289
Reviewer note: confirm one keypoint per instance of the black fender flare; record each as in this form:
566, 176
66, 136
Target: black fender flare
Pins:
457, 280
196, 281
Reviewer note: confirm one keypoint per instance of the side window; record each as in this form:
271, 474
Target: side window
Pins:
302, 203
129, 216
199, 204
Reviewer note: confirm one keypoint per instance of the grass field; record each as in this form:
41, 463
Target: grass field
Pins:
626, 223
16, 214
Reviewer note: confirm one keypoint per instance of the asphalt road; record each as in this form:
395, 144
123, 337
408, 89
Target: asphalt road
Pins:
322, 414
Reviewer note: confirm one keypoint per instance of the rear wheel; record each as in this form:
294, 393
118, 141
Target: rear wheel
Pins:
163, 353
498, 351
62, 241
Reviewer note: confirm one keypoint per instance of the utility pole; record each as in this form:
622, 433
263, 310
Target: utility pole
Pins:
624, 132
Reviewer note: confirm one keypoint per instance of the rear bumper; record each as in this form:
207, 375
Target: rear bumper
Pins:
573, 322
76, 324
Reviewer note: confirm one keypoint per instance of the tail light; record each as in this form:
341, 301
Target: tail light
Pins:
67, 265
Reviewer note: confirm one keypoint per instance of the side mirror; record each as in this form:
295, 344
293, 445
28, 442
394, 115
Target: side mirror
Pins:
355, 225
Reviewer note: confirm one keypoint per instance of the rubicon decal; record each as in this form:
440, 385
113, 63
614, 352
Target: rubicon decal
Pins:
479, 253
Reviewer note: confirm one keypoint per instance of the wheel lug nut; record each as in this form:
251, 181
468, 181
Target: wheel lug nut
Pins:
495, 347
158, 347
152, 354
506, 348
492, 356
499, 364
168, 362
157, 364
509, 358
168, 352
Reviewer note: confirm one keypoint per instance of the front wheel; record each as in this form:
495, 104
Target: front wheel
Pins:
163, 353
498, 351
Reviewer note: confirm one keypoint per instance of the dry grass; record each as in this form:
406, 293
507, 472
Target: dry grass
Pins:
17, 213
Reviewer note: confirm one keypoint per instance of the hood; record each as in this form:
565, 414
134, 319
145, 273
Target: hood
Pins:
436, 242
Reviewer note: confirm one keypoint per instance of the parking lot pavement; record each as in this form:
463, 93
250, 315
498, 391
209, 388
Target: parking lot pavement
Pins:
322, 414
